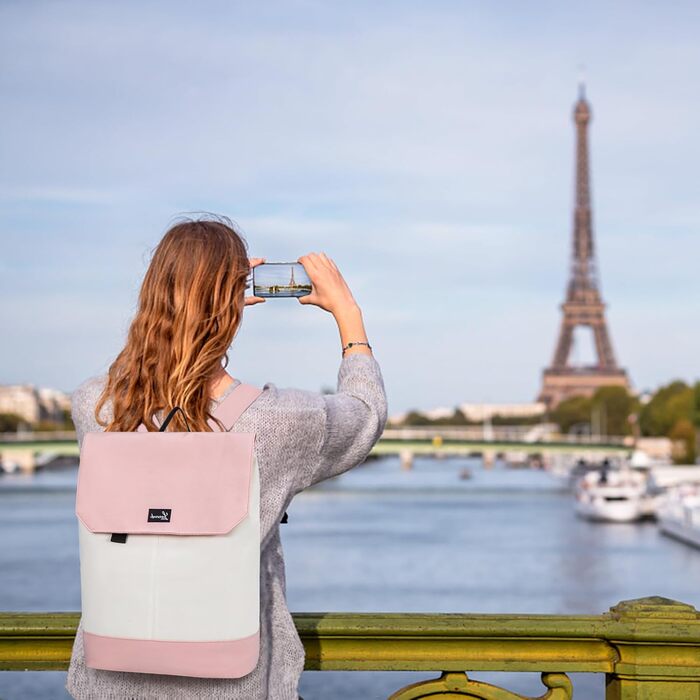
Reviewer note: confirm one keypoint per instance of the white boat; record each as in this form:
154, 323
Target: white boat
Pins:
8, 466
678, 514
614, 495
673, 475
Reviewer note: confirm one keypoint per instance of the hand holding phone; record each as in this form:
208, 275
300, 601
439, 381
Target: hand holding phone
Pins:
329, 289
313, 279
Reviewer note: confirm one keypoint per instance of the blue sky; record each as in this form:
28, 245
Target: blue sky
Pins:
426, 147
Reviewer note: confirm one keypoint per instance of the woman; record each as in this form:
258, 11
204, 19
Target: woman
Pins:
189, 311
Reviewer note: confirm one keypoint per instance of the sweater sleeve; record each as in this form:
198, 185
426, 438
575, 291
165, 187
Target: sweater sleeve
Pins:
83, 401
353, 419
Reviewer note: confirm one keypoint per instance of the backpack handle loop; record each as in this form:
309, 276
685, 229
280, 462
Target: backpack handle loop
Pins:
169, 417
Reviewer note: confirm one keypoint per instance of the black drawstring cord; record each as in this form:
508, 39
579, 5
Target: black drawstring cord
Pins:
170, 417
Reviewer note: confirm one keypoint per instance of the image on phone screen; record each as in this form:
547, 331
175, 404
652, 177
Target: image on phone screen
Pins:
280, 280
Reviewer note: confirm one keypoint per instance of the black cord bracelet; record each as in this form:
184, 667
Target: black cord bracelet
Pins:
349, 345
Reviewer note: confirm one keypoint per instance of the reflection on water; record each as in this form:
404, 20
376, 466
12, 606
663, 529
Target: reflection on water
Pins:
382, 539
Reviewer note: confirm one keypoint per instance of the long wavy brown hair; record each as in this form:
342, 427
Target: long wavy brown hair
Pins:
189, 309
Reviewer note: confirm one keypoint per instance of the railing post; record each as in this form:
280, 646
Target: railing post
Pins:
658, 669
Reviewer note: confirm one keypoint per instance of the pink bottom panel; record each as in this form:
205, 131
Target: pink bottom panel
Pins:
200, 659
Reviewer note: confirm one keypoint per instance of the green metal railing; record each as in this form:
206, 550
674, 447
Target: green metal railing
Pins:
648, 648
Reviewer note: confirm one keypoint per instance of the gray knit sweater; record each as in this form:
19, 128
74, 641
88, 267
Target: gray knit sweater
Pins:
302, 437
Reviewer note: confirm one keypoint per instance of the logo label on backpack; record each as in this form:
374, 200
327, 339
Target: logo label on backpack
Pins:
159, 515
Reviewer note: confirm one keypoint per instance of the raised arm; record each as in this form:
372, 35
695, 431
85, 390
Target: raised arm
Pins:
352, 420
354, 417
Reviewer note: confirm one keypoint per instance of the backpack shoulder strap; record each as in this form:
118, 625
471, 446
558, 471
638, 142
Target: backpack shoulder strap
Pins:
233, 406
230, 409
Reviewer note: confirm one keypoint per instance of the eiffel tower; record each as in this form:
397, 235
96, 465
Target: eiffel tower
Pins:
583, 305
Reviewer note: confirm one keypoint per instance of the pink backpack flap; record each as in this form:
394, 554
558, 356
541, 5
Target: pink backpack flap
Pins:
169, 528
164, 483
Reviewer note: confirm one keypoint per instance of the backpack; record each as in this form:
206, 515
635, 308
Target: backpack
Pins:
169, 534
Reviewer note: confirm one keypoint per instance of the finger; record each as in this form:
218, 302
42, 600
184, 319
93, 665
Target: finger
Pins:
330, 263
325, 260
256, 261
311, 261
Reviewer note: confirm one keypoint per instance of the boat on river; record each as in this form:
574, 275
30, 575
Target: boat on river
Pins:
678, 514
614, 495
8, 466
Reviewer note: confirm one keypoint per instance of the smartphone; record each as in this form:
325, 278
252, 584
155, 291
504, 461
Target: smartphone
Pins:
280, 279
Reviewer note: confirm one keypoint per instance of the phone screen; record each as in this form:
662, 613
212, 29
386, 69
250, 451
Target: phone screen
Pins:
283, 279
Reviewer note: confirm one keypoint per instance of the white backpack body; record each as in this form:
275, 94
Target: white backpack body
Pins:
169, 532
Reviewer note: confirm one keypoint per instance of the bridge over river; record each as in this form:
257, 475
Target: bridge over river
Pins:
515, 443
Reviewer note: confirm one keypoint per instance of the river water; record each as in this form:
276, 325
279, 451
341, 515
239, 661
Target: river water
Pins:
381, 539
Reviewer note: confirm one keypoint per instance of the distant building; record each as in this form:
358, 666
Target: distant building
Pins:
486, 411
479, 412
53, 403
436, 413
34, 404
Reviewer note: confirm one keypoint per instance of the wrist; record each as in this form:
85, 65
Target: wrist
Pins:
352, 329
350, 312
361, 347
